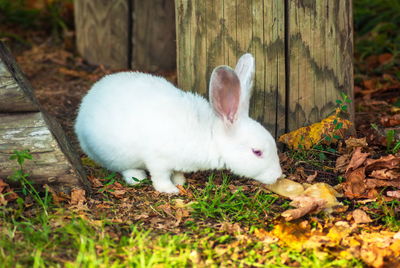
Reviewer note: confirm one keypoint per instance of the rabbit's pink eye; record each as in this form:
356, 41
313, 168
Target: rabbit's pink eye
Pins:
258, 153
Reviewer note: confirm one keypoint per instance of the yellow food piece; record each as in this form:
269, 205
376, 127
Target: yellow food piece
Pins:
286, 188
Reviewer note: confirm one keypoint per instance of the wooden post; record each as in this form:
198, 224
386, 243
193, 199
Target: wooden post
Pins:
216, 32
320, 40
127, 33
153, 37
102, 31
23, 126
303, 53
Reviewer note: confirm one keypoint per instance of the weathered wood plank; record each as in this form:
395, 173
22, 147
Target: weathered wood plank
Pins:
153, 38
23, 126
102, 31
215, 32
320, 58
52, 164
13, 97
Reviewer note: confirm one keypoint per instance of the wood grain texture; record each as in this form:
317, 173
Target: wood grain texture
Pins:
13, 97
51, 163
216, 32
153, 37
320, 58
23, 126
102, 31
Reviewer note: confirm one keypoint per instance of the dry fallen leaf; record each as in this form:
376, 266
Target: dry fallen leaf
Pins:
357, 159
312, 198
342, 162
77, 196
95, 181
231, 228
304, 205
325, 192
385, 58
306, 137
390, 120
385, 174
379, 248
6, 193
360, 216
389, 161
354, 142
355, 186
372, 174
312, 177
183, 191
118, 193
395, 194
57, 197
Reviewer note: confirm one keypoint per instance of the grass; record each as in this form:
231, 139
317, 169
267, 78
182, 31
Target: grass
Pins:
78, 242
54, 16
40, 235
221, 203
376, 27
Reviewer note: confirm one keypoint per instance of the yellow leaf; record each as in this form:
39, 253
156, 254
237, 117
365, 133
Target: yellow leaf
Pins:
307, 137
293, 235
339, 231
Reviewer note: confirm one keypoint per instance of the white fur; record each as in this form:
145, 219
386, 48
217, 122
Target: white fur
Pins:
130, 122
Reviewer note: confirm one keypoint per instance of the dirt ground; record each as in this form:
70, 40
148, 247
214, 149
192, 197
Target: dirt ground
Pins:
60, 78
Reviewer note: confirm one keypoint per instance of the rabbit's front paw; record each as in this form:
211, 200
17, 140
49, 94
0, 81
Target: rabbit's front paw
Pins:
166, 187
178, 178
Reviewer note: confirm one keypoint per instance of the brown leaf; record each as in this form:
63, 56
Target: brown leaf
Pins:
385, 58
141, 216
180, 213
354, 142
374, 183
103, 205
77, 196
370, 84
389, 162
342, 162
390, 121
304, 205
385, 174
360, 216
95, 181
312, 177
395, 194
6, 193
183, 191
118, 193
57, 198
78, 74
231, 228
3, 185
355, 186
167, 209
357, 159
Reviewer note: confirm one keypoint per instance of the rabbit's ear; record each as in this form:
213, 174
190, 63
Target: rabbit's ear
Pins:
225, 93
245, 69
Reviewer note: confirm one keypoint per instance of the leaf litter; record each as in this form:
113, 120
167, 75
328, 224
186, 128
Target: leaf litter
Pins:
348, 232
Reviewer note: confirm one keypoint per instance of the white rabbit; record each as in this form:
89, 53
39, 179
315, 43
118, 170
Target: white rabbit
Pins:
130, 122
